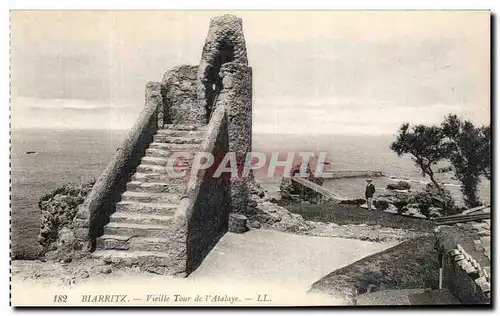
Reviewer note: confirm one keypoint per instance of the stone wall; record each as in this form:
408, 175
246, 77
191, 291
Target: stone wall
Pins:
179, 90
236, 97
224, 91
224, 43
207, 206
99, 204
460, 283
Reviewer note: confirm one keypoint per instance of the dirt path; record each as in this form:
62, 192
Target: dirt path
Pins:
242, 269
281, 258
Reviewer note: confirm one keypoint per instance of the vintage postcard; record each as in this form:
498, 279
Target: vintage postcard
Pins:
250, 158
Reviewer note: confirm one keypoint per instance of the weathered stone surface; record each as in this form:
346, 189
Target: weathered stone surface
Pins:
207, 203
146, 208
464, 261
236, 97
255, 224
59, 211
179, 89
224, 43
100, 202
143, 232
237, 223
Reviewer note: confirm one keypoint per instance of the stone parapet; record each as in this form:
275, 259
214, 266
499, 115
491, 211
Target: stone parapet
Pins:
99, 204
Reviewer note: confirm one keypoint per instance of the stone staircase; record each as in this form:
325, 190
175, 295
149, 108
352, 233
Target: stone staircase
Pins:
138, 230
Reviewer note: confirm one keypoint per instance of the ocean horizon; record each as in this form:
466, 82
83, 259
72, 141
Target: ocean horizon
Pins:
45, 159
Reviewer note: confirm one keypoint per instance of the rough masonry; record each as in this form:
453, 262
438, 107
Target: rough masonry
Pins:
137, 213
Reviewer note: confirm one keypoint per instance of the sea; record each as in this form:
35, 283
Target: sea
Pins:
43, 159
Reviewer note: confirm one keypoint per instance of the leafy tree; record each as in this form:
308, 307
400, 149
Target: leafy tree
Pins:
469, 150
424, 144
485, 151
431, 196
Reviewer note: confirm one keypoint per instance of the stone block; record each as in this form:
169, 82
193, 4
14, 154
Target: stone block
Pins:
483, 284
462, 263
468, 268
486, 240
477, 226
459, 258
237, 223
483, 232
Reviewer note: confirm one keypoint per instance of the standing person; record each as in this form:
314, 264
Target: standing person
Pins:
369, 191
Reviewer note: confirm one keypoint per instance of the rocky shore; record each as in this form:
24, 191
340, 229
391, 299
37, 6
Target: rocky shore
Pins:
268, 214
58, 210
397, 198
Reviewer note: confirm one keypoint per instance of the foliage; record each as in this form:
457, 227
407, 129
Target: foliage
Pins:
424, 144
434, 197
469, 150
485, 151
466, 147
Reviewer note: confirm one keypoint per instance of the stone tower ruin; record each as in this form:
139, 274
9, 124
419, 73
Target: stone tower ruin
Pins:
136, 214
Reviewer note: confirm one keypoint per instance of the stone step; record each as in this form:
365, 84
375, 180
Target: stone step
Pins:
159, 177
162, 161
146, 208
163, 153
185, 127
176, 140
181, 133
133, 258
175, 147
139, 218
155, 187
171, 171
139, 230
130, 243
148, 197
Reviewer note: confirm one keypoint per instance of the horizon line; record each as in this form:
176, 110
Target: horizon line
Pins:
253, 133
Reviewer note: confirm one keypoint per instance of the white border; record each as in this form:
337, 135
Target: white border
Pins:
185, 4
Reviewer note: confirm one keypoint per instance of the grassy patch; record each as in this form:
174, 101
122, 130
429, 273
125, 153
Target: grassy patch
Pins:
411, 264
352, 214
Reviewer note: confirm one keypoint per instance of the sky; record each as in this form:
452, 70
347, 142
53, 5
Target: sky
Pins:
323, 72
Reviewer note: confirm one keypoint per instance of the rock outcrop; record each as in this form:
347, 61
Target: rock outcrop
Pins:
58, 209
271, 215
400, 185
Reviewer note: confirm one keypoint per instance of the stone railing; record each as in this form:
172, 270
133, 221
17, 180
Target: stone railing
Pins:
322, 194
208, 203
94, 212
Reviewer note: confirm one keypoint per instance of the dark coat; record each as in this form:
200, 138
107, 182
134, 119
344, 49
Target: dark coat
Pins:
370, 190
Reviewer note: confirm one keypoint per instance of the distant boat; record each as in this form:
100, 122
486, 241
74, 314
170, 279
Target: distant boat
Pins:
31, 152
